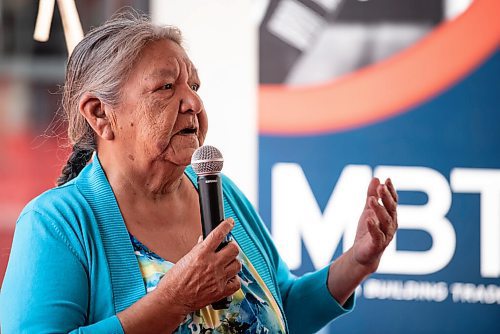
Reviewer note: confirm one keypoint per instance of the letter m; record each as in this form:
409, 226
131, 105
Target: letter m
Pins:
297, 218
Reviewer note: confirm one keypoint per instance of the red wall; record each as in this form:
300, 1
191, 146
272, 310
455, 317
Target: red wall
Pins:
29, 165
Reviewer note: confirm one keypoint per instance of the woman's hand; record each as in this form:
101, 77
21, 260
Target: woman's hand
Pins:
200, 278
377, 224
376, 228
203, 276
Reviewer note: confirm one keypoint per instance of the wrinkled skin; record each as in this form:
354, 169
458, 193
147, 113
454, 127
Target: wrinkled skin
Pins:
377, 224
203, 276
376, 228
159, 102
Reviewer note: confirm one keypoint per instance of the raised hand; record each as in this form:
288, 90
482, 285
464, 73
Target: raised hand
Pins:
377, 224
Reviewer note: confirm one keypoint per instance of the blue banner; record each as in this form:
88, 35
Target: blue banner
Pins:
445, 266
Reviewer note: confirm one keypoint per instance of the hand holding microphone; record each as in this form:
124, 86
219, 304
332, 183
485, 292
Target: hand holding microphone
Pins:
210, 270
202, 275
207, 163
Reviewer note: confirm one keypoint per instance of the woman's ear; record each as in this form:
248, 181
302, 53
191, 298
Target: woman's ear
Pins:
97, 115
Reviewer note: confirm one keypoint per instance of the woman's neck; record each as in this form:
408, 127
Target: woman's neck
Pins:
156, 201
153, 182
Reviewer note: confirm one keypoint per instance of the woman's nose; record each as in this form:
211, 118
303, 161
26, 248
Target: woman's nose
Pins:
190, 101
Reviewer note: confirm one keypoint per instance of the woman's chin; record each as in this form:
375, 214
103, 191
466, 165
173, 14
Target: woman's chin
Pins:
181, 154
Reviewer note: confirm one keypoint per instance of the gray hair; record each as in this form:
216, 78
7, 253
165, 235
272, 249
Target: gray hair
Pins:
100, 64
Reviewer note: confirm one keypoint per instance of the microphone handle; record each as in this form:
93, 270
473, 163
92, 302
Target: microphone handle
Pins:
212, 214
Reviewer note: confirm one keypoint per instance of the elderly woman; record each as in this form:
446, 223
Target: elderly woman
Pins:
116, 247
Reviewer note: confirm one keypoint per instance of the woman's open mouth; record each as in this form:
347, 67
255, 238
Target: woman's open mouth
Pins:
188, 131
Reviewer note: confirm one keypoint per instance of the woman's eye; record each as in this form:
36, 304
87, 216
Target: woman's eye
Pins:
195, 87
166, 86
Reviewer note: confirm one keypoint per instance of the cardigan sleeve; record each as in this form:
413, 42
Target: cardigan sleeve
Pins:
45, 289
307, 302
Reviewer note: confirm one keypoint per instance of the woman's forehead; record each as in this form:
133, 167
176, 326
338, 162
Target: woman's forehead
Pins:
165, 58
171, 69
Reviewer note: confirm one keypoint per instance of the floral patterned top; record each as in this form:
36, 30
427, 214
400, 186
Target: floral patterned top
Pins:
253, 308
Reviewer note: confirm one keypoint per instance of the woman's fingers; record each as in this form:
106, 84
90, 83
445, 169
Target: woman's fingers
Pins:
377, 235
233, 269
233, 285
229, 253
389, 202
218, 235
392, 190
385, 220
372, 188
204, 275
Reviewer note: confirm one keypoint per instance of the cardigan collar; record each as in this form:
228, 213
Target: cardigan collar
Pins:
126, 279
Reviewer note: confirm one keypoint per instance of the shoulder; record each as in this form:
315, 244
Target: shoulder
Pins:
234, 194
249, 217
57, 203
234, 197
57, 215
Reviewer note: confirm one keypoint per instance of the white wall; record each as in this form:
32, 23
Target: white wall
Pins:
221, 38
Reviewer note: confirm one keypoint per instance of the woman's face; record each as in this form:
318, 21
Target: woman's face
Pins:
161, 117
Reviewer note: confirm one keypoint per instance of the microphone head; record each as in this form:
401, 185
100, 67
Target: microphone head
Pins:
207, 160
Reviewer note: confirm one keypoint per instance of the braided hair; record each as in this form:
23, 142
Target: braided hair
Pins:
99, 64
76, 162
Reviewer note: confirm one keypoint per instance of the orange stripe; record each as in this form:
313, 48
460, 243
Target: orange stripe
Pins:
387, 88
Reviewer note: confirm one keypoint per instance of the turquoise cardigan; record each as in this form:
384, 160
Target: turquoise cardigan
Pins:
72, 267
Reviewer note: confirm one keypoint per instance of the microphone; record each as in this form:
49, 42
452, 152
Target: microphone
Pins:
207, 163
